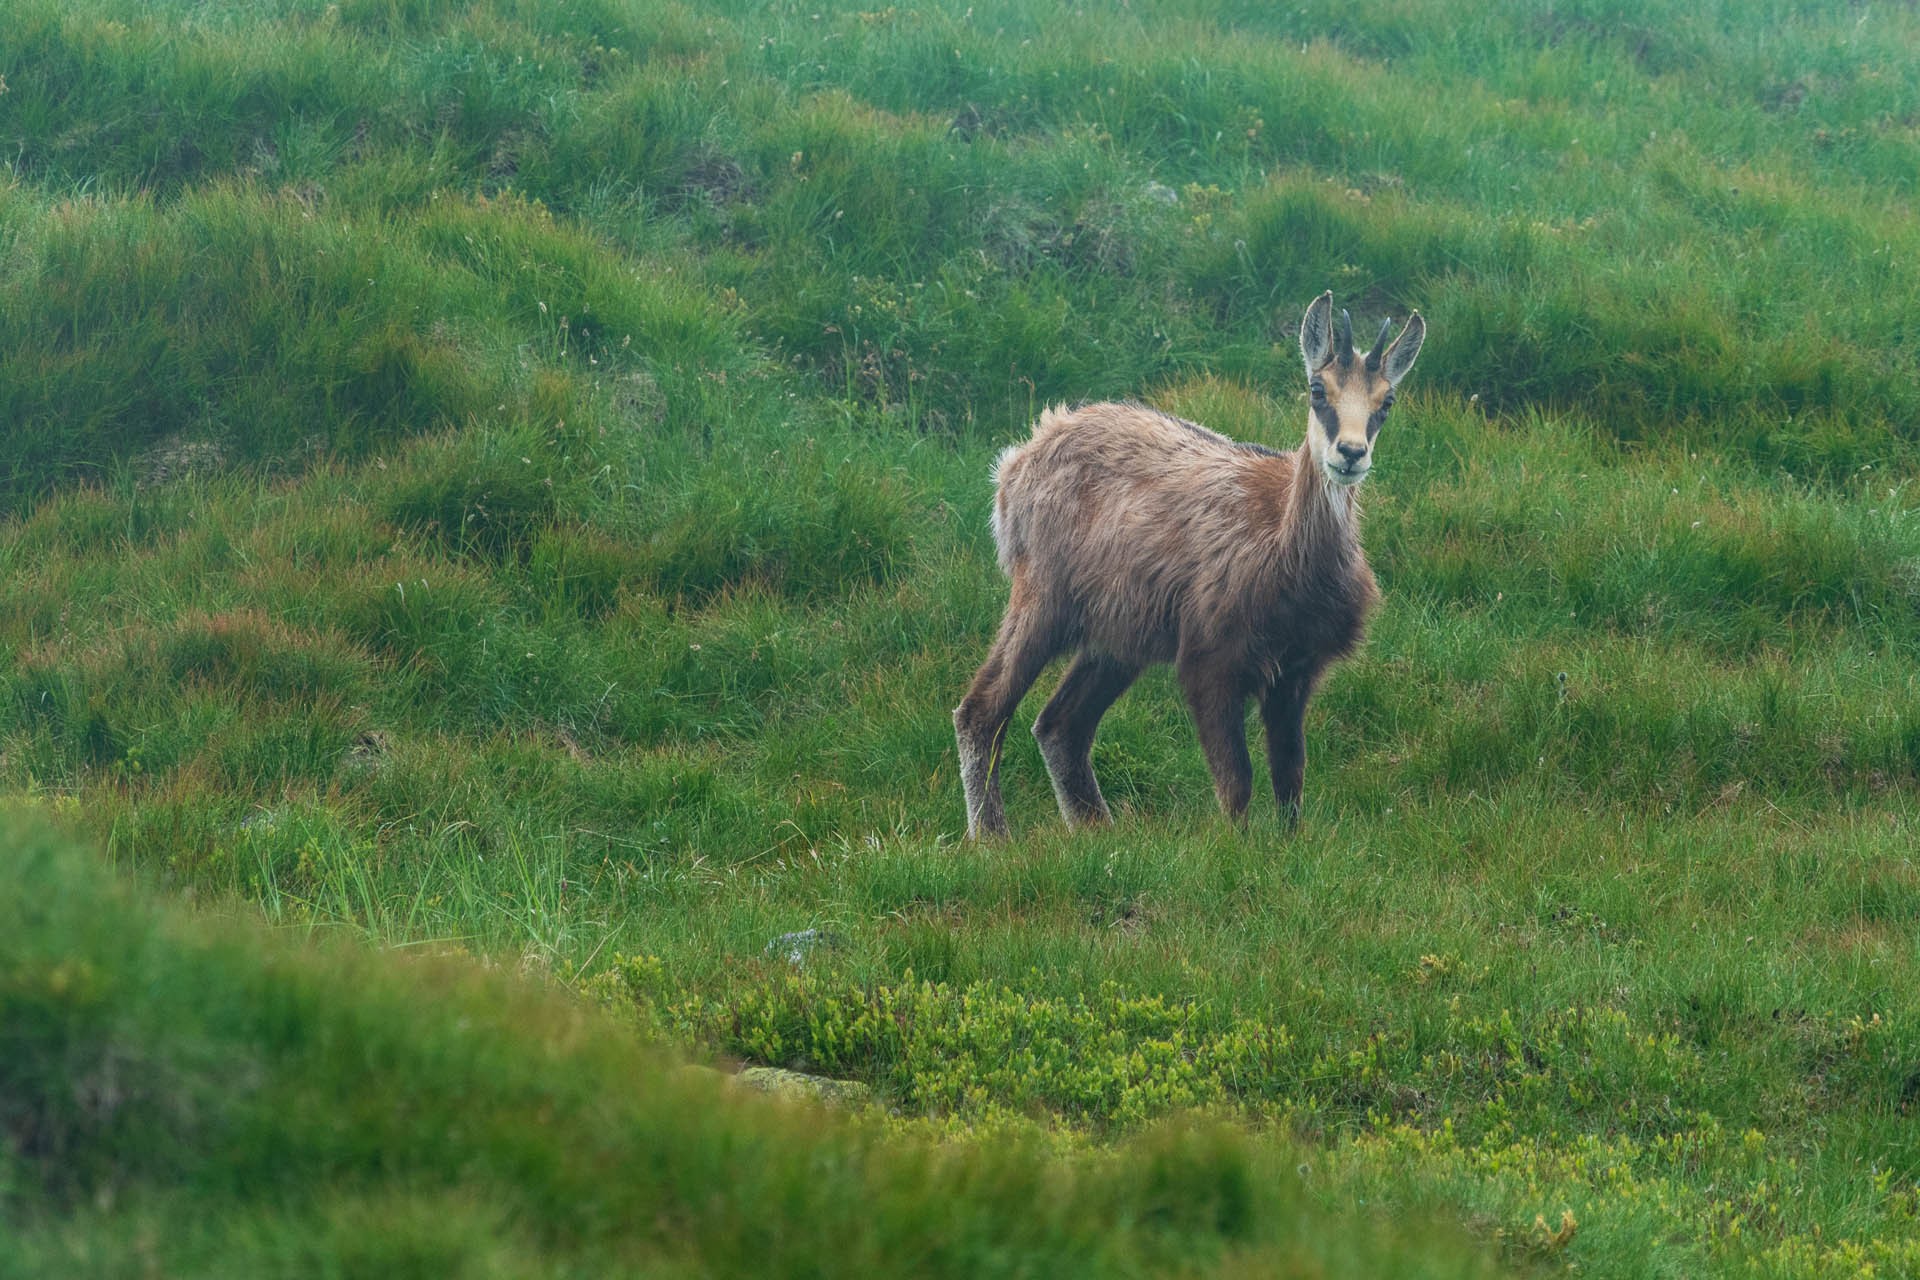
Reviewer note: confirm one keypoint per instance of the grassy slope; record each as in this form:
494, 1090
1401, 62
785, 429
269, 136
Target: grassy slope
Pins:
515, 474
180, 1098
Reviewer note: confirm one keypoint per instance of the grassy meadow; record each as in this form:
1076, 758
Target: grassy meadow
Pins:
503, 485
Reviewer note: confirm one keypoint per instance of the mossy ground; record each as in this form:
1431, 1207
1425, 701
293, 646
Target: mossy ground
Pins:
513, 477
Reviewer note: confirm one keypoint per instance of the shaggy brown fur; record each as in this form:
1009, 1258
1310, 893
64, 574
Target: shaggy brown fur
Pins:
1133, 537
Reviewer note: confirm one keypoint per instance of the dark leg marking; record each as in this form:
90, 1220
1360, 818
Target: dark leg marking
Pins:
1065, 732
1283, 708
1218, 708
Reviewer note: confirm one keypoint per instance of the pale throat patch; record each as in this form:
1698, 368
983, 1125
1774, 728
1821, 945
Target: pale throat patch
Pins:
1340, 496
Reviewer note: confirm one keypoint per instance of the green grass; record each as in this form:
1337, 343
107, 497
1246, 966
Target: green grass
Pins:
189, 1097
513, 477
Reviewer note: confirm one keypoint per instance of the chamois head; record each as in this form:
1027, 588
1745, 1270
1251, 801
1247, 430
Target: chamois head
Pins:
1350, 393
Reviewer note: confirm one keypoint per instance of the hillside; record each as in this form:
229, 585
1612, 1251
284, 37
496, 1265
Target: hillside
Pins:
511, 478
180, 1098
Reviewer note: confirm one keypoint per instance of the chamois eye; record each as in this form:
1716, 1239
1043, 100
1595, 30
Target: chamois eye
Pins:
1379, 416
1318, 390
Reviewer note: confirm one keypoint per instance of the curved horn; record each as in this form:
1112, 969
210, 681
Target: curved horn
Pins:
1344, 339
1379, 345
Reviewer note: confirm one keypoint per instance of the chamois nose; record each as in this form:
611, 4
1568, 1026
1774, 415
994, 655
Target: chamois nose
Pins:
1351, 452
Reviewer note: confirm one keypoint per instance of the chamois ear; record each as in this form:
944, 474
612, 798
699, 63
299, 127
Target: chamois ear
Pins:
1400, 356
1316, 333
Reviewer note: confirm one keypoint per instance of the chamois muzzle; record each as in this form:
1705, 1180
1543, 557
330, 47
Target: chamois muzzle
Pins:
1351, 464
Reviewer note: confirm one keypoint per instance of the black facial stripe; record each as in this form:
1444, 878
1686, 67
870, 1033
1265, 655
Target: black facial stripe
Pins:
1328, 419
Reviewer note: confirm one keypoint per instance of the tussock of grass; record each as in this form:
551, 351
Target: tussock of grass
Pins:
807, 529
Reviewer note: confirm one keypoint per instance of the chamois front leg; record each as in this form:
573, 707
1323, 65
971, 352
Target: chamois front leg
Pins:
1218, 708
1283, 708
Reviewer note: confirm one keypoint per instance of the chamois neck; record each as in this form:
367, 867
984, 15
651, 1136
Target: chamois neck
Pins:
1322, 516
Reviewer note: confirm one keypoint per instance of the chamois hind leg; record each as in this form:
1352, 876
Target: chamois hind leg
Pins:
1020, 653
1219, 710
1065, 733
1283, 707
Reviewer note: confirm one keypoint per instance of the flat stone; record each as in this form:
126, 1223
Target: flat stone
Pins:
797, 1084
796, 945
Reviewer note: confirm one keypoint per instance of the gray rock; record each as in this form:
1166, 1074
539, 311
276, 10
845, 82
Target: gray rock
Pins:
177, 456
1160, 193
796, 945
797, 1084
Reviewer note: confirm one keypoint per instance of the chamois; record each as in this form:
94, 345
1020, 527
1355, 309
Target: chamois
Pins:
1133, 537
